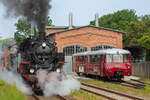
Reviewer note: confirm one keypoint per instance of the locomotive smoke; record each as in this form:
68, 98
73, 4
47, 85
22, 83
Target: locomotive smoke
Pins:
35, 11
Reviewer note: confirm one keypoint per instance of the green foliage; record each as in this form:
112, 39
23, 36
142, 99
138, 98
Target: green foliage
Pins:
118, 20
8, 92
144, 41
138, 33
147, 88
49, 22
5, 40
24, 29
2, 83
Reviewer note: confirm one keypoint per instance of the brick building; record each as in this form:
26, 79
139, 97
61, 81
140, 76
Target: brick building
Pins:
71, 39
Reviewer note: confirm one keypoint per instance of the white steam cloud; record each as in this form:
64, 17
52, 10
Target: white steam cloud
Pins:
53, 84
15, 79
57, 84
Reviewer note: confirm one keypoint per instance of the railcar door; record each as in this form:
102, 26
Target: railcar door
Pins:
94, 65
80, 64
102, 58
85, 64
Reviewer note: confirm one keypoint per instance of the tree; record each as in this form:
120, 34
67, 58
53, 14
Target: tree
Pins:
144, 41
24, 29
5, 40
118, 20
137, 32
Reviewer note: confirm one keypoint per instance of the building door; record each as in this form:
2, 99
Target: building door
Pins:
67, 68
69, 51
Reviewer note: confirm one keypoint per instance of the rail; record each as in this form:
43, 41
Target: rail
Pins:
124, 95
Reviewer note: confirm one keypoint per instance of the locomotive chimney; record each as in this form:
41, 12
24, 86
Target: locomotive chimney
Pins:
70, 21
42, 35
96, 20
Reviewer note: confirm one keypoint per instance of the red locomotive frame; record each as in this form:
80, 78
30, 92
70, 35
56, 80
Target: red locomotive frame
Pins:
110, 63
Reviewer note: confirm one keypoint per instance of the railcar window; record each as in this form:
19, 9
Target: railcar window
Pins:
88, 57
117, 58
109, 58
94, 58
126, 58
98, 58
80, 58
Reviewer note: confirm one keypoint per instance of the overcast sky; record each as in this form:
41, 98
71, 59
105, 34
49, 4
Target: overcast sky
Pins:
83, 12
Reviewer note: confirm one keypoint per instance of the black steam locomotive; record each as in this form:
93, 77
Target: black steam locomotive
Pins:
37, 53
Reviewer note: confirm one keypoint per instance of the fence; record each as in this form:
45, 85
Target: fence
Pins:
141, 69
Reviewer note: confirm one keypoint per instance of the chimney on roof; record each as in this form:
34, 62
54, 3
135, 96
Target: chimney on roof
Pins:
96, 20
70, 21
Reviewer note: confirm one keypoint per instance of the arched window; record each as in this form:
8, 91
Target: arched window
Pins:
72, 49
101, 47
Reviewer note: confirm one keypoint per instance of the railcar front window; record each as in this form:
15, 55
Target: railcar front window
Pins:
109, 58
117, 58
126, 58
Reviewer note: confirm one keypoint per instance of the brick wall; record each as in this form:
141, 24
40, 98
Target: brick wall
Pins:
88, 37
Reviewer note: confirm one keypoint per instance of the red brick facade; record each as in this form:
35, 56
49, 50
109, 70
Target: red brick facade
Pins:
87, 36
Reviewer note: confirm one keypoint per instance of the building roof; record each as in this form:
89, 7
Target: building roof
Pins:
78, 27
105, 51
55, 27
58, 27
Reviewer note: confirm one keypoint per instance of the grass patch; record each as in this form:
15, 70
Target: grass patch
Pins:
147, 80
2, 83
137, 92
8, 92
83, 95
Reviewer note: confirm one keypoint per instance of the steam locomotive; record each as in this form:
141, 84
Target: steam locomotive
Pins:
38, 53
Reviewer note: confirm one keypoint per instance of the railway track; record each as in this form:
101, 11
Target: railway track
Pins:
144, 83
131, 83
107, 93
134, 84
58, 97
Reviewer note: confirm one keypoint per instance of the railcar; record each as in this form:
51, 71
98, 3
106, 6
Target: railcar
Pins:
109, 63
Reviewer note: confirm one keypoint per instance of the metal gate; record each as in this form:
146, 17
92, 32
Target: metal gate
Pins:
67, 68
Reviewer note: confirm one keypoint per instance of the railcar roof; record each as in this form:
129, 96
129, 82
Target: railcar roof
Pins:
106, 51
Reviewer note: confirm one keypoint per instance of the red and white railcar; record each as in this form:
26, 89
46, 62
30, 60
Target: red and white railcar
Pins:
112, 63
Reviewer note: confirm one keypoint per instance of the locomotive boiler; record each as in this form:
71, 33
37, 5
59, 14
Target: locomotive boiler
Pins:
38, 53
